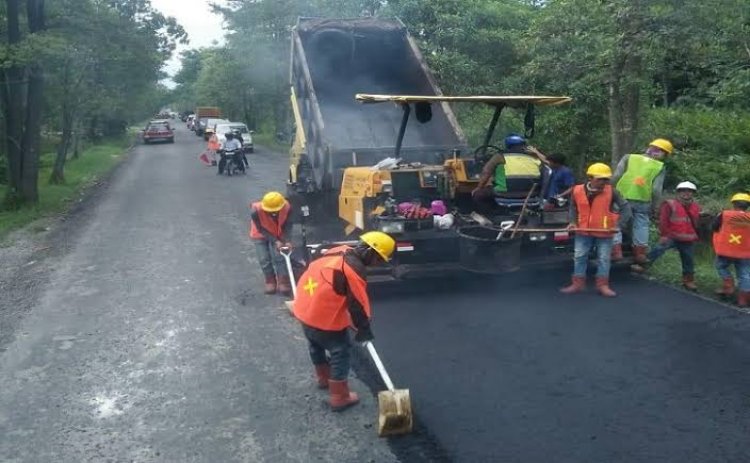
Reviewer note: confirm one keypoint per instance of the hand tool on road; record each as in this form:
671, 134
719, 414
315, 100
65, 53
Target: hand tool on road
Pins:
287, 253
394, 405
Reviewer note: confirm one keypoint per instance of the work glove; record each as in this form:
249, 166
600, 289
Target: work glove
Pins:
363, 335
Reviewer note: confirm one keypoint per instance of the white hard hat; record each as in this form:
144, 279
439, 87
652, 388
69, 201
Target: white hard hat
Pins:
687, 186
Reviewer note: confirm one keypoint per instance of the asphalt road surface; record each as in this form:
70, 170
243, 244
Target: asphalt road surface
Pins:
142, 334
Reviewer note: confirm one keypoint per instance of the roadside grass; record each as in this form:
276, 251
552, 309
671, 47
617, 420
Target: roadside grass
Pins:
669, 269
80, 174
269, 141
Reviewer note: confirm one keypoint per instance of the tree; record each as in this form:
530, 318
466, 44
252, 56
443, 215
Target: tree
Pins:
23, 115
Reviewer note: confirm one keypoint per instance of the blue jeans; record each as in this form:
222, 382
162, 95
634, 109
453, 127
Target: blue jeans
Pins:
685, 250
336, 343
742, 266
269, 257
582, 249
641, 222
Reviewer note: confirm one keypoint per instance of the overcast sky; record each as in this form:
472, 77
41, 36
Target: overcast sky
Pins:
195, 16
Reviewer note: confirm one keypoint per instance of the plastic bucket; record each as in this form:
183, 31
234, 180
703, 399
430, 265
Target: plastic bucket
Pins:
481, 251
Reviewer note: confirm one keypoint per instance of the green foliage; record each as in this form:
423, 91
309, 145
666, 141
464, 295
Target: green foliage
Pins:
54, 199
713, 148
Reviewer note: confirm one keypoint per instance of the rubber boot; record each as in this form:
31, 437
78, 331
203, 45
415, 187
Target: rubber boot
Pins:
727, 287
323, 373
616, 252
341, 397
577, 285
743, 299
602, 285
688, 281
638, 268
639, 254
270, 287
285, 287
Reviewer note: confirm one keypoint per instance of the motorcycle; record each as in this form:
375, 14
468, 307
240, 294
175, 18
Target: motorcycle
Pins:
233, 162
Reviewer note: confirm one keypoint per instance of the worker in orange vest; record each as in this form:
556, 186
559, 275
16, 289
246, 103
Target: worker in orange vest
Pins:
213, 146
270, 230
732, 247
331, 297
595, 209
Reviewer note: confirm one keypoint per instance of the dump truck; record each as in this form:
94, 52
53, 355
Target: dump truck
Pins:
378, 147
202, 113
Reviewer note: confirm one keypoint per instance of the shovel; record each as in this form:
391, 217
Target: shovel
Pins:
394, 405
286, 254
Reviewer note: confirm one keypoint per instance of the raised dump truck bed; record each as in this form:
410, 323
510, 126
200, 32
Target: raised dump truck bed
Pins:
332, 61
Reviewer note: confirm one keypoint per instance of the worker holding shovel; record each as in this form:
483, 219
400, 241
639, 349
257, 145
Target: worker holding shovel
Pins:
331, 297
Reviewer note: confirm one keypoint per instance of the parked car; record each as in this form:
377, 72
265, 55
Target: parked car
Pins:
247, 135
158, 129
211, 123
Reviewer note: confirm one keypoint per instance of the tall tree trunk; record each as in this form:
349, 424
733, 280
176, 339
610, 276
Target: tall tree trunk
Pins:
58, 170
31, 143
14, 114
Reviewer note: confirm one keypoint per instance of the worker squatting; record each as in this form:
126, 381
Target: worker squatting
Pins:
331, 295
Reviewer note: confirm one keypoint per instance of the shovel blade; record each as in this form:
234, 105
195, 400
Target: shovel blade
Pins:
290, 306
394, 412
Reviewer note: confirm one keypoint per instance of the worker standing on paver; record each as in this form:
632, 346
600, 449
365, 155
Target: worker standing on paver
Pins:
640, 179
331, 297
678, 229
595, 210
731, 242
270, 230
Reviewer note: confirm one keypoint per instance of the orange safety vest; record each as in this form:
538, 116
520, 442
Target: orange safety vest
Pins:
597, 213
733, 238
317, 304
680, 223
274, 226
213, 143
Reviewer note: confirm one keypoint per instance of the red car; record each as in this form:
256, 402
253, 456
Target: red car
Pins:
158, 130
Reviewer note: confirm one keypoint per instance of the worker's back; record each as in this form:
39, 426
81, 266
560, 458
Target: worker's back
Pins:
521, 173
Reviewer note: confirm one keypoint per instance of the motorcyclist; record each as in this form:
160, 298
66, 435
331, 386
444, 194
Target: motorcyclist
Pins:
233, 146
238, 136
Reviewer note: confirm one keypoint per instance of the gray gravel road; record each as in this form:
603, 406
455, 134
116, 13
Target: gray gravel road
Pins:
141, 335
146, 336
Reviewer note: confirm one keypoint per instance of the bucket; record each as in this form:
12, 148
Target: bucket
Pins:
481, 251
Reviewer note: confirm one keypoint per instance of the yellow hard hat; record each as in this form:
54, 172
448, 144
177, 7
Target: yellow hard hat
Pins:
741, 197
382, 243
599, 170
662, 144
273, 201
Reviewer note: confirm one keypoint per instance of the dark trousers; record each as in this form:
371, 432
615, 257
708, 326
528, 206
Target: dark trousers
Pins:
238, 159
336, 343
684, 248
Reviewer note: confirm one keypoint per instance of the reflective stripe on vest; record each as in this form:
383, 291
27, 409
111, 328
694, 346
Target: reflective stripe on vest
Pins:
596, 214
733, 238
680, 224
638, 180
317, 304
274, 226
